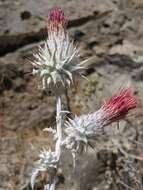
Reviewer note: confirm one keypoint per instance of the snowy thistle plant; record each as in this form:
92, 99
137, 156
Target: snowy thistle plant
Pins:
57, 63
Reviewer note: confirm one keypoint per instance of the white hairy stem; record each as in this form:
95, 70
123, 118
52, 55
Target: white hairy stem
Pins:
59, 127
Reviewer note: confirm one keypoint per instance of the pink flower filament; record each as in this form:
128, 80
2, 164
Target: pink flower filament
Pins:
56, 20
118, 105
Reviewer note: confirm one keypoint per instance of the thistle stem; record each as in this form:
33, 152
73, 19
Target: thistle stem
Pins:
59, 127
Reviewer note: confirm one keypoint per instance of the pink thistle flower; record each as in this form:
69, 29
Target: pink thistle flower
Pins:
118, 105
57, 61
84, 128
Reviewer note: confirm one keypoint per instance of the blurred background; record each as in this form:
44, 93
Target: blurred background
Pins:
111, 34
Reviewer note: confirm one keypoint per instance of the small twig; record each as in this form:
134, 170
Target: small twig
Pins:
125, 185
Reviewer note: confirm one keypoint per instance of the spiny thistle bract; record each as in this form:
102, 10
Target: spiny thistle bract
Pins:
57, 60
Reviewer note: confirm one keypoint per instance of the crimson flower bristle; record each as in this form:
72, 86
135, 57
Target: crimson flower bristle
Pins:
119, 105
56, 19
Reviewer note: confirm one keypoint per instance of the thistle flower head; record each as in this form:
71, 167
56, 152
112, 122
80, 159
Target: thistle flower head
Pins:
47, 161
57, 61
82, 129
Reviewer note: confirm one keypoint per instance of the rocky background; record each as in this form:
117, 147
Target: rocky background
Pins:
111, 34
